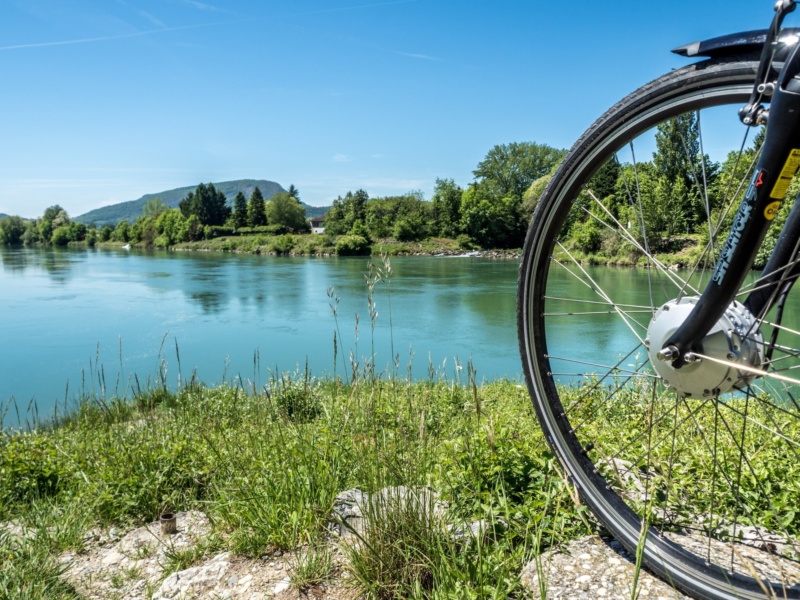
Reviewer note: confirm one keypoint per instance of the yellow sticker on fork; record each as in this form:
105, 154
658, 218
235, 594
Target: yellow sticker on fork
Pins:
785, 178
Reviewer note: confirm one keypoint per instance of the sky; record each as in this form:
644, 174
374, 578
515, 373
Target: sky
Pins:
106, 100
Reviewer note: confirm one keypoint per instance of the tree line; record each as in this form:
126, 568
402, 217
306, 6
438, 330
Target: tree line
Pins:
493, 211
202, 214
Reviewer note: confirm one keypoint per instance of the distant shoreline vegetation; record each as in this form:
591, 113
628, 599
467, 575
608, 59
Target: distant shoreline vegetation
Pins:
491, 213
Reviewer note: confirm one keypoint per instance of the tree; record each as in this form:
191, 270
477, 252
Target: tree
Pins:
60, 236
513, 167
284, 209
172, 228
447, 207
256, 213
489, 221
11, 230
121, 233
346, 212
154, 207
239, 211
54, 216
207, 204
531, 197
293, 192
687, 173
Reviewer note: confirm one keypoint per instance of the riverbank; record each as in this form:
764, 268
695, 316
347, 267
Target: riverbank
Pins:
265, 467
379, 488
324, 246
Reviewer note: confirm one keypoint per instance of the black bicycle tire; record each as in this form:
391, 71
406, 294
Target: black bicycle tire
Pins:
696, 85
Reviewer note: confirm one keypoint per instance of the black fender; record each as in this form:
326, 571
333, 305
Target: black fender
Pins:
741, 43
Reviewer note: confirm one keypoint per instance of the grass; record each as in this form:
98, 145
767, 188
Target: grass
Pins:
267, 465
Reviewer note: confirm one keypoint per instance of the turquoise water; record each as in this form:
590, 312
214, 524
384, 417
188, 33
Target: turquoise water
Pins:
76, 321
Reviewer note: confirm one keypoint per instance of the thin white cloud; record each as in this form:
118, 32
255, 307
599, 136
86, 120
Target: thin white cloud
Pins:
154, 20
419, 56
355, 7
202, 6
108, 37
341, 158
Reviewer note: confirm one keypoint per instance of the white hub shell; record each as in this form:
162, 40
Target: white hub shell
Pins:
734, 339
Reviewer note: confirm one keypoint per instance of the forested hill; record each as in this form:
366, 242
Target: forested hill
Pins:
131, 210
3, 215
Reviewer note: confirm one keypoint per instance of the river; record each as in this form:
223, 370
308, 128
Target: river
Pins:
95, 321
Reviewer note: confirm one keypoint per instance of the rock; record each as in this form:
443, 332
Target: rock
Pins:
481, 530
589, 568
282, 586
352, 508
195, 581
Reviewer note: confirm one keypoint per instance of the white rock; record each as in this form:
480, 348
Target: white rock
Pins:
282, 586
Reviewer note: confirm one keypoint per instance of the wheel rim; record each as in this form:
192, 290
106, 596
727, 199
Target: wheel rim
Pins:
705, 471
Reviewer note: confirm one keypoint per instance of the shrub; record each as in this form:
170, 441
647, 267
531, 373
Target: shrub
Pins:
29, 469
60, 236
352, 245
465, 242
283, 244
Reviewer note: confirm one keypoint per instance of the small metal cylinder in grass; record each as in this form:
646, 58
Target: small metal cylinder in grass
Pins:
169, 523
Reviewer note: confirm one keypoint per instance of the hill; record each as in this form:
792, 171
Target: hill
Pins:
132, 210
3, 215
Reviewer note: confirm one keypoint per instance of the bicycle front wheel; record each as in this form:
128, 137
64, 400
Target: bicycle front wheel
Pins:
707, 480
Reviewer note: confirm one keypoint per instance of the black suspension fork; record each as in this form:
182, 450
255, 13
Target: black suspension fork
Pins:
779, 161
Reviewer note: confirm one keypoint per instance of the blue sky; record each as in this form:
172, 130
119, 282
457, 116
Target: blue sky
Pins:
106, 100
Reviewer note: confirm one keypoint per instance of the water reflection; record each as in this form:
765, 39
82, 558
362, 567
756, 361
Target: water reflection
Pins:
58, 263
221, 310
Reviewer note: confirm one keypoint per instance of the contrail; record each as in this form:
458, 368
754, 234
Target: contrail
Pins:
341, 8
110, 37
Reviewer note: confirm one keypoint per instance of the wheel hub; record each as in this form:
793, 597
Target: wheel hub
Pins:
735, 339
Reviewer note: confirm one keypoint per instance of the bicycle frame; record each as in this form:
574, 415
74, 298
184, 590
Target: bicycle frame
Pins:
777, 164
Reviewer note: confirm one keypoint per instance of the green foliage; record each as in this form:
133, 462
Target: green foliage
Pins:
11, 230
60, 236
511, 168
446, 206
346, 212
30, 468
240, 211
207, 204
352, 245
153, 207
121, 233
283, 244
31, 572
284, 210
131, 210
172, 228
490, 221
256, 209
531, 197
297, 400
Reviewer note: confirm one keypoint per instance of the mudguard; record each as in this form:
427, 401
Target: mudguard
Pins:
740, 43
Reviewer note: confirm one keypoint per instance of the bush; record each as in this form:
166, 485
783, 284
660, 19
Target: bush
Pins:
29, 469
297, 400
352, 245
465, 242
283, 244
60, 236
221, 230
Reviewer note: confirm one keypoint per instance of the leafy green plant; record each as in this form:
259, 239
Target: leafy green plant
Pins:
352, 245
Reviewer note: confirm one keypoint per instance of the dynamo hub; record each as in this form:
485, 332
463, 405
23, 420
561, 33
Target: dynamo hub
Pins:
735, 340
